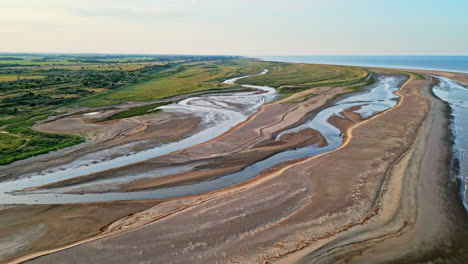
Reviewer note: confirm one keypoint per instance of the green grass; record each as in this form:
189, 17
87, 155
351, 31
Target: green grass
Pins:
355, 88
36, 63
104, 67
417, 76
293, 78
9, 142
137, 111
288, 91
23, 142
19, 141
8, 78
307, 76
188, 79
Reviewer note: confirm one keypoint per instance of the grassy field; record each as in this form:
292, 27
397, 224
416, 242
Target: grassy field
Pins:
121, 66
9, 78
289, 78
307, 76
35, 63
18, 141
186, 79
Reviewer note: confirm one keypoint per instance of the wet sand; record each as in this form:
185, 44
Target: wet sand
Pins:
385, 195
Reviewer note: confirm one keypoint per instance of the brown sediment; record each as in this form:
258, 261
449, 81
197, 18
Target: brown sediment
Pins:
349, 118
32, 228
178, 179
160, 128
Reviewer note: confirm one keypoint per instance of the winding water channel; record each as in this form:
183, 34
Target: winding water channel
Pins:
219, 113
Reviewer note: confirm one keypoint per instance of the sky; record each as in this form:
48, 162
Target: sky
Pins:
236, 27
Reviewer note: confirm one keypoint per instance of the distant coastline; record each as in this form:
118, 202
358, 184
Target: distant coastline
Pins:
439, 63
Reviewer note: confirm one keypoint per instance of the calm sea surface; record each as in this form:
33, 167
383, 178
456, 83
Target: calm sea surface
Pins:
442, 63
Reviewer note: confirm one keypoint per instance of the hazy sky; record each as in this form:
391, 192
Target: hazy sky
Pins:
241, 27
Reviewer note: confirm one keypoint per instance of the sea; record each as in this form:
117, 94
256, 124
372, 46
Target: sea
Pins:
441, 63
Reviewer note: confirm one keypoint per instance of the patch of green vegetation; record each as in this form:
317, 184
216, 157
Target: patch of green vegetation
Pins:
137, 111
19, 141
418, 76
11, 58
307, 76
293, 78
288, 91
356, 88
9, 78
186, 78
8, 142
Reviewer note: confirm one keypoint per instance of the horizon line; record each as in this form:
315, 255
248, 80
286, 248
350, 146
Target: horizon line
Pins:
227, 55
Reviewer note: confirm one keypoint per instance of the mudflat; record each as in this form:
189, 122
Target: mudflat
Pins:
385, 195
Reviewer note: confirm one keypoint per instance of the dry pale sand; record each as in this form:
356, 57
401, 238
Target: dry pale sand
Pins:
384, 196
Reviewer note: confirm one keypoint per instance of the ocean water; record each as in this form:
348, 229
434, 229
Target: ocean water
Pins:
442, 63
